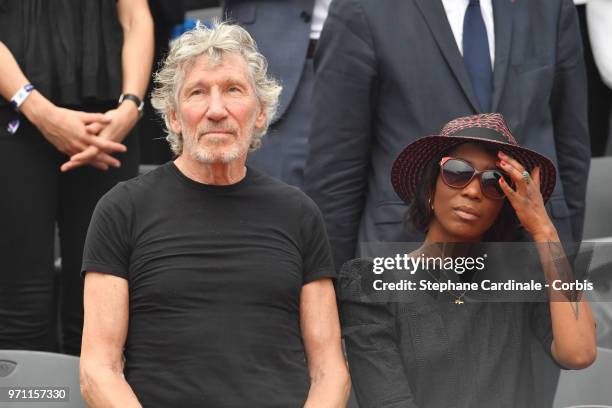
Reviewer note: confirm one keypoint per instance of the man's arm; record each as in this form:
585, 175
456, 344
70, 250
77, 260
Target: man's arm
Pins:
104, 333
329, 378
569, 113
337, 167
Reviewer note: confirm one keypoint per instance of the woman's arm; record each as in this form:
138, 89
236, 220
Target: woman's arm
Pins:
329, 378
574, 340
136, 61
67, 130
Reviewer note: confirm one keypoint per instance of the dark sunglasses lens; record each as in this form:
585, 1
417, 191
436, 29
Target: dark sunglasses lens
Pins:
490, 183
457, 173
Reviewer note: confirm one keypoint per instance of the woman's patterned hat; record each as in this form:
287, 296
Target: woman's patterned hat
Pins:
487, 128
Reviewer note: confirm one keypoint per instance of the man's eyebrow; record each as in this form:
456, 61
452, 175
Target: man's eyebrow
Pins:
232, 80
193, 84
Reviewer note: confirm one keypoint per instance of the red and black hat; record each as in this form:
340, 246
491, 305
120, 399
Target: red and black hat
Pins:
487, 128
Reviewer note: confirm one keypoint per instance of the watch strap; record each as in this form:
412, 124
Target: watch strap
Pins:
131, 97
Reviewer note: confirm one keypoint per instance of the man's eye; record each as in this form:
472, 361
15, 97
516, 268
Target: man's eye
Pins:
234, 89
197, 92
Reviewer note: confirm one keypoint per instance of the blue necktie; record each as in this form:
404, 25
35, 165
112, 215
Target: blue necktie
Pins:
476, 55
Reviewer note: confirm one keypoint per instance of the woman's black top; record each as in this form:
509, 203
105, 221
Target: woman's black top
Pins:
429, 352
70, 50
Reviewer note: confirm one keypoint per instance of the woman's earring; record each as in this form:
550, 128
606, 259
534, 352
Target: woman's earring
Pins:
430, 205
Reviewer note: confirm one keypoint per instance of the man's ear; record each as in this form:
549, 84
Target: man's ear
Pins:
262, 117
175, 123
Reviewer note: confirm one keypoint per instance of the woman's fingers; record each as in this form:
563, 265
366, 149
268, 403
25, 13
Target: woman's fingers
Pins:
521, 178
508, 191
512, 161
86, 155
88, 118
536, 177
106, 145
93, 156
107, 159
94, 128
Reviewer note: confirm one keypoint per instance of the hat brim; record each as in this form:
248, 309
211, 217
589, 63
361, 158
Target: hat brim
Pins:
408, 167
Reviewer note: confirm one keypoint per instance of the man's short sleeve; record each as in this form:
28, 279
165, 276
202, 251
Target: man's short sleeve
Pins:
107, 246
316, 251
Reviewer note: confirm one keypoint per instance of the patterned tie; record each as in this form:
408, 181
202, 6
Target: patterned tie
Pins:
476, 55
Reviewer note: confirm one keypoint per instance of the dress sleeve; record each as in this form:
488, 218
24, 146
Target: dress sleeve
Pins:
541, 325
371, 340
108, 242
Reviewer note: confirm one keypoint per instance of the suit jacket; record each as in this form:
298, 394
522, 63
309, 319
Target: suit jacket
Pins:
389, 72
281, 29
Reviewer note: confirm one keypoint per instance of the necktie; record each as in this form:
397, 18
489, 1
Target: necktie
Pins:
476, 55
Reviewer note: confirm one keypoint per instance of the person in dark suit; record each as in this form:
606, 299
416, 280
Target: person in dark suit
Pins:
286, 32
388, 72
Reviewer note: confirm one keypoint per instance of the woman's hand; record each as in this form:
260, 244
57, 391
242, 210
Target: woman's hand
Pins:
121, 121
526, 198
71, 131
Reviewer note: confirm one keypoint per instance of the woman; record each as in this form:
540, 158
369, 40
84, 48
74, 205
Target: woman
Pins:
63, 66
471, 183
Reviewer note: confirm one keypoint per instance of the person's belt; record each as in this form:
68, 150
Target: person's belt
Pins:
312, 47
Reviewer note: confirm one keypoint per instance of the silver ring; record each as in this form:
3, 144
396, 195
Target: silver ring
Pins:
526, 176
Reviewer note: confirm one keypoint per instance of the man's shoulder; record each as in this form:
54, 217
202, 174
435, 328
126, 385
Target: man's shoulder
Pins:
139, 186
274, 188
280, 194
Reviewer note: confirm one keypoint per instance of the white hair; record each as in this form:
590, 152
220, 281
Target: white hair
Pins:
215, 41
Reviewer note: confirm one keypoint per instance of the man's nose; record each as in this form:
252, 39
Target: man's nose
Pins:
216, 107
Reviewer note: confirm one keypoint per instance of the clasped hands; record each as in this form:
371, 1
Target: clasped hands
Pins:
88, 138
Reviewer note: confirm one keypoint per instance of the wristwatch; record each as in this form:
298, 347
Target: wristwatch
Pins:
133, 98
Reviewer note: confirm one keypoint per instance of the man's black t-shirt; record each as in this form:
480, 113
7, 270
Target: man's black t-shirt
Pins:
214, 275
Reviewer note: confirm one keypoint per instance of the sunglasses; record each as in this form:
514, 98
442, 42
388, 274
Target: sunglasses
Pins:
457, 173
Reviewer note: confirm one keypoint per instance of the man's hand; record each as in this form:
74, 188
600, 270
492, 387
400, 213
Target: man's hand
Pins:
120, 121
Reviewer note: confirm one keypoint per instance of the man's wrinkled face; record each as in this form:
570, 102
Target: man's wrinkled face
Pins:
218, 110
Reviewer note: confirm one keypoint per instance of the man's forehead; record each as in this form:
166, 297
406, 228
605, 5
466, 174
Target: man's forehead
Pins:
233, 63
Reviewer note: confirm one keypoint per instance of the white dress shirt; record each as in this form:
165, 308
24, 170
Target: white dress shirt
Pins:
455, 13
599, 24
318, 18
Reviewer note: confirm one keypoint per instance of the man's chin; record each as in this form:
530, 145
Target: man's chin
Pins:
216, 156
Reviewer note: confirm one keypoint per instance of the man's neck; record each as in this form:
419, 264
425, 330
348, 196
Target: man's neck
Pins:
218, 174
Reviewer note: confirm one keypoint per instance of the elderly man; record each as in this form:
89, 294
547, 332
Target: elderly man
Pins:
211, 278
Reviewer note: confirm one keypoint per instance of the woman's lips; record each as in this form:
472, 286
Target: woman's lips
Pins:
466, 214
